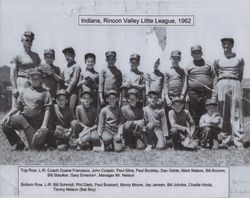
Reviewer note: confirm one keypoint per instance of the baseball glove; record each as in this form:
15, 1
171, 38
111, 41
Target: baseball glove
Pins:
45, 68
40, 136
61, 133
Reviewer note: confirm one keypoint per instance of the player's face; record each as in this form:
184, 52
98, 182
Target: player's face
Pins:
153, 99
197, 55
27, 42
62, 101
36, 80
211, 109
69, 57
111, 60
132, 100
112, 100
227, 46
175, 60
90, 63
178, 106
86, 100
49, 58
134, 63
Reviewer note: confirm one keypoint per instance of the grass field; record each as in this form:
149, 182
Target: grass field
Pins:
168, 157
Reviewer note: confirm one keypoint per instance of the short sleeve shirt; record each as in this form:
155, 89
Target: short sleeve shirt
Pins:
25, 62
34, 102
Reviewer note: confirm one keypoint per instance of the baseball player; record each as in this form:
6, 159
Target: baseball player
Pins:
135, 79
175, 81
110, 125
71, 76
134, 122
61, 122
156, 122
201, 83
155, 81
110, 77
30, 113
85, 128
90, 78
182, 125
52, 73
210, 126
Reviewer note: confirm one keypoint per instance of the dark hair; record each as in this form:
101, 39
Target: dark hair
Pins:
89, 55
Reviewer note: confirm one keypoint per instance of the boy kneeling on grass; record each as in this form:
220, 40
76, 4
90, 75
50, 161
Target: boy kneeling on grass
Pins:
110, 125
30, 113
156, 123
134, 122
85, 128
210, 126
182, 126
62, 120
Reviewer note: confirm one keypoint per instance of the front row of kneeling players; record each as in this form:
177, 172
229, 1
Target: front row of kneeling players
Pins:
114, 128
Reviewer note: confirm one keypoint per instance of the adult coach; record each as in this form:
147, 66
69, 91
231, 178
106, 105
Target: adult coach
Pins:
23, 63
229, 70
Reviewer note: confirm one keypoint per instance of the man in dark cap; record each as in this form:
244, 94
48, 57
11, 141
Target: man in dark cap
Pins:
229, 71
71, 76
201, 83
110, 77
33, 106
135, 79
52, 74
23, 63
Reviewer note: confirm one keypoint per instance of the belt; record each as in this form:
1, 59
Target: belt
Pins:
228, 78
21, 76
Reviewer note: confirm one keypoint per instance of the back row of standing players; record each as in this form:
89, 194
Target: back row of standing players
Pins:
145, 100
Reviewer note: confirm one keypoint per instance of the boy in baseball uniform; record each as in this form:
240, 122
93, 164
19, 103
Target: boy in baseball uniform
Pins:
85, 128
156, 122
210, 126
182, 125
31, 113
134, 122
62, 120
110, 125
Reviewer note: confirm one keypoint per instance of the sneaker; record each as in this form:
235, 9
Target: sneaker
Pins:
215, 145
109, 147
62, 147
148, 148
78, 148
223, 146
139, 144
19, 146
